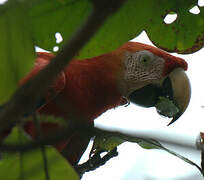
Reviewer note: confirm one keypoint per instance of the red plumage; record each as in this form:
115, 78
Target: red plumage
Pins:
88, 88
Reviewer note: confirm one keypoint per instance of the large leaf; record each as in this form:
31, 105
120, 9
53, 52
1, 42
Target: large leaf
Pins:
49, 17
185, 35
17, 51
30, 165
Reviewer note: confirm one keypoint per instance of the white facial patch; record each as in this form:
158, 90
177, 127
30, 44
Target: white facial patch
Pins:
142, 68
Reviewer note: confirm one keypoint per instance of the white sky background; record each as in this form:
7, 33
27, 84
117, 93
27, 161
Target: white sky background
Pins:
134, 162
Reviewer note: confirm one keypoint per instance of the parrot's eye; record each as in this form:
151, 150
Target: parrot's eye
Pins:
145, 59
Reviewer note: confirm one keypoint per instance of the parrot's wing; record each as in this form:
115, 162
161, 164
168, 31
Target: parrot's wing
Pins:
42, 60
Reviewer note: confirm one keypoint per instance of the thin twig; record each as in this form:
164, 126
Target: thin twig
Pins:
29, 94
45, 162
21, 154
43, 150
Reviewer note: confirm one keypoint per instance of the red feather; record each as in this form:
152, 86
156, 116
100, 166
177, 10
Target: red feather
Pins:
88, 88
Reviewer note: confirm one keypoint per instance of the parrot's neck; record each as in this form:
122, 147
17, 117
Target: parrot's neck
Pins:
92, 85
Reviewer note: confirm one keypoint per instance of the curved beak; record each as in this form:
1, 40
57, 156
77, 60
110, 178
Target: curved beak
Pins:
181, 91
175, 90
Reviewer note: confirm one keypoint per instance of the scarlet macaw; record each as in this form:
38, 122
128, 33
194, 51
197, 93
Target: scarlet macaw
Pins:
135, 72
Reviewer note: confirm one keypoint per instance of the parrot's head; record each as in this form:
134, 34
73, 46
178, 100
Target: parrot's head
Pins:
154, 78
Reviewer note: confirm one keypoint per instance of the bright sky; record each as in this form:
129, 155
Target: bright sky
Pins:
134, 162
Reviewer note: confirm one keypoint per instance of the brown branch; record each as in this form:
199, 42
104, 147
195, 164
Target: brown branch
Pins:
29, 94
87, 130
95, 162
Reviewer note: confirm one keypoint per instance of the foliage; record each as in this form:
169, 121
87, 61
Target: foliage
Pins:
30, 165
28, 23
37, 22
17, 50
130, 20
103, 143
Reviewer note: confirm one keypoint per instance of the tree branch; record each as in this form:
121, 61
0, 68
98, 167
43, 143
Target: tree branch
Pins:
29, 94
131, 136
90, 131
95, 162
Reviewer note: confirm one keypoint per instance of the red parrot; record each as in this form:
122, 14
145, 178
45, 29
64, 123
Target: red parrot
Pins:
134, 72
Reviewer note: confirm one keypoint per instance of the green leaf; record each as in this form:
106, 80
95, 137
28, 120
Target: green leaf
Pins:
104, 143
17, 50
151, 144
30, 165
185, 35
17, 136
33, 166
63, 16
156, 145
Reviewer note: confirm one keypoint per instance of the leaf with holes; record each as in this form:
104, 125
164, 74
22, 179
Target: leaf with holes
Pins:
17, 50
62, 16
65, 16
184, 35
